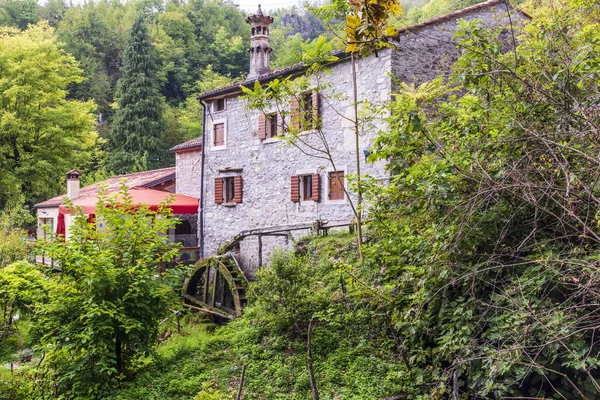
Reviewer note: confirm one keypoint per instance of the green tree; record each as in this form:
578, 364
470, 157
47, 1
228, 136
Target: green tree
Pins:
105, 306
42, 134
98, 49
18, 13
139, 126
22, 287
486, 239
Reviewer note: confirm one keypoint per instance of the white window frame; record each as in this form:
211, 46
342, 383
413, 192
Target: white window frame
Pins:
340, 168
301, 174
214, 108
212, 134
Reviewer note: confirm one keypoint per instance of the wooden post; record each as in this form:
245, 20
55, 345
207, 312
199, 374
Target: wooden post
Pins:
206, 277
260, 260
214, 289
178, 324
239, 395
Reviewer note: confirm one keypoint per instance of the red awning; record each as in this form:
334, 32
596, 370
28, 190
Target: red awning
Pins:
153, 198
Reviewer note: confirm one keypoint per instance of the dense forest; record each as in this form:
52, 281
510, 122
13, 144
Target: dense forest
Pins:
476, 275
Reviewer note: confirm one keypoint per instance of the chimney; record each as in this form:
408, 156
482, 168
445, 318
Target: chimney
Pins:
259, 43
73, 184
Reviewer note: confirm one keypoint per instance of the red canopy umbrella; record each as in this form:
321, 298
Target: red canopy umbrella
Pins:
152, 198
60, 225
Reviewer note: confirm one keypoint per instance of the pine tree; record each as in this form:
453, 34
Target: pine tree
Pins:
138, 128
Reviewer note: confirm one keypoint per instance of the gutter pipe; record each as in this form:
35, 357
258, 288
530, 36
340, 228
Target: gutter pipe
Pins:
201, 211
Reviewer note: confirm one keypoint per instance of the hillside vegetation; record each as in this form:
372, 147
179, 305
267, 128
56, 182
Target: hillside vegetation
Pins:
476, 279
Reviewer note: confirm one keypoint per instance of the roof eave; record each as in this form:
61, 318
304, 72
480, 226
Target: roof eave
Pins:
297, 69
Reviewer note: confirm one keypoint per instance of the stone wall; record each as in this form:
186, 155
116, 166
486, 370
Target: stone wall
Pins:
425, 53
266, 166
187, 173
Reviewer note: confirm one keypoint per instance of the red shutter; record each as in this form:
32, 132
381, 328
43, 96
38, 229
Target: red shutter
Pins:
294, 113
316, 187
295, 188
262, 126
219, 190
336, 185
237, 189
315, 110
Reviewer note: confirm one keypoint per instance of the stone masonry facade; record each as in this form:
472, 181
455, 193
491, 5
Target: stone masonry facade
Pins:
266, 166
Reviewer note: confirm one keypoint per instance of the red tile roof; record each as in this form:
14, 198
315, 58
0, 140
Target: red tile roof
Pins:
146, 179
188, 146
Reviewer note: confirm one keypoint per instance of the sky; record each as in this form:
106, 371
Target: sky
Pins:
266, 5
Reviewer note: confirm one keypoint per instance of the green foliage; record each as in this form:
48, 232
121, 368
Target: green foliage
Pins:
479, 244
42, 134
88, 37
22, 287
350, 348
13, 246
18, 13
136, 139
104, 308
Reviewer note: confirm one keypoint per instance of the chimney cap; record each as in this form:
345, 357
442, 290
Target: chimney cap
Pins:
73, 174
259, 18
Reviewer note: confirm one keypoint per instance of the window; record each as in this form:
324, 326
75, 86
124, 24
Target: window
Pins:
304, 110
269, 126
228, 189
49, 224
220, 105
336, 185
219, 135
305, 188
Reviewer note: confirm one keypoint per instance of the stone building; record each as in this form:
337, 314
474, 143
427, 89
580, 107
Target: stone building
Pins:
247, 178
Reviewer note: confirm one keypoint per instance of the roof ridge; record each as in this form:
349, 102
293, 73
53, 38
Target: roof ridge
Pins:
449, 16
135, 173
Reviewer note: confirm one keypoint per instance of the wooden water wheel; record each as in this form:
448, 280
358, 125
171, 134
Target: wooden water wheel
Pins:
216, 286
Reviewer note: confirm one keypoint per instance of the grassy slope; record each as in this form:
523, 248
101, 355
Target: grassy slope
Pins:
208, 359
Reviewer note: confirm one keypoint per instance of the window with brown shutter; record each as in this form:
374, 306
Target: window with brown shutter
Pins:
262, 126
336, 185
316, 187
228, 189
219, 190
219, 135
316, 115
305, 188
268, 126
271, 127
295, 188
237, 189
304, 111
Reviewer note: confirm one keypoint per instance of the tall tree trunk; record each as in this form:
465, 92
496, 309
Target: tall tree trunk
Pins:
359, 238
311, 374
